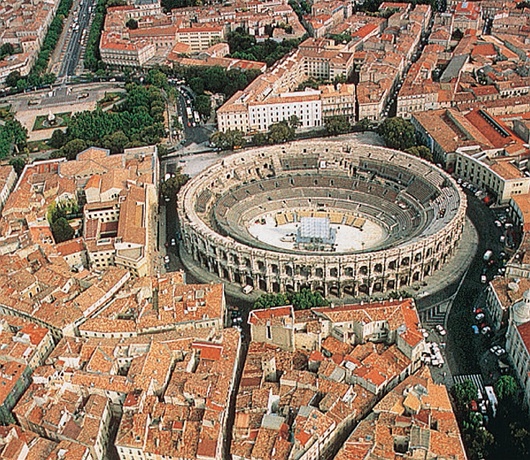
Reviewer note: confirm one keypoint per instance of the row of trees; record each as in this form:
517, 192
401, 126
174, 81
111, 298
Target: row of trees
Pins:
138, 121
302, 300
92, 59
244, 46
485, 437
38, 75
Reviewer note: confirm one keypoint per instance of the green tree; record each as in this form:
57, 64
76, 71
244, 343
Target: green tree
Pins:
197, 85
7, 49
398, 133
364, 125
115, 142
271, 300
13, 78
203, 104
306, 299
62, 231
18, 164
506, 388
259, 139
73, 147
157, 78
464, 393
337, 124
280, 132
479, 443
170, 187
303, 300
132, 24
58, 139
420, 151
521, 439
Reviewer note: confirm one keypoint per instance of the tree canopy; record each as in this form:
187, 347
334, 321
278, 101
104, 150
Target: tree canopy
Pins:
229, 140
303, 300
506, 387
464, 393
244, 46
62, 231
337, 124
170, 187
398, 133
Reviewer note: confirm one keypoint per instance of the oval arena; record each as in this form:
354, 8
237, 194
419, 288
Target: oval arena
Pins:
338, 217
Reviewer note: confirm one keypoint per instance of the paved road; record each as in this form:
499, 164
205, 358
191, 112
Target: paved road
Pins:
465, 349
76, 34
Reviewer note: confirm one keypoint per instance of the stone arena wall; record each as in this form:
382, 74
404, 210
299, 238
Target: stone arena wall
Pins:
421, 208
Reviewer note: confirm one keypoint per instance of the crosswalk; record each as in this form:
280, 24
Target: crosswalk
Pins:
435, 314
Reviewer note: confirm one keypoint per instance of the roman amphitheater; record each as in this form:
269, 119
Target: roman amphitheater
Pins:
341, 218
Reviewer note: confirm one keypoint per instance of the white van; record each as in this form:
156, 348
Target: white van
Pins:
247, 289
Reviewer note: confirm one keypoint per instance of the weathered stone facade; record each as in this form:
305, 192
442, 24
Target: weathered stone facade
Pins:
420, 207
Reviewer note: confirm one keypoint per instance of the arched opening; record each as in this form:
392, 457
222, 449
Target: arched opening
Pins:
390, 285
392, 265
334, 272
275, 287
378, 286
378, 268
334, 289
416, 276
319, 272
348, 271
405, 261
363, 270
417, 257
363, 289
288, 270
349, 289
262, 284
403, 281
289, 288
249, 281
427, 270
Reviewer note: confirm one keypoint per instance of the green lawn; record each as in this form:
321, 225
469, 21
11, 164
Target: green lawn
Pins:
61, 118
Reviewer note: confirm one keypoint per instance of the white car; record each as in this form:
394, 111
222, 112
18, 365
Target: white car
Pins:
424, 333
166, 259
173, 242
441, 330
479, 317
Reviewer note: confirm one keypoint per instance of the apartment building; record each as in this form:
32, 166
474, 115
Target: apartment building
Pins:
391, 432
120, 52
8, 178
518, 342
80, 421
24, 25
270, 98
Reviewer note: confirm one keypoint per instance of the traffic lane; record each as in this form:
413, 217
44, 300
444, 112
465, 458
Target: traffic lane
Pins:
462, 349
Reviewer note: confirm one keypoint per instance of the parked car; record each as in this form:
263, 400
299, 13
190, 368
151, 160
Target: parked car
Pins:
173, 242
479, 317
441, 330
